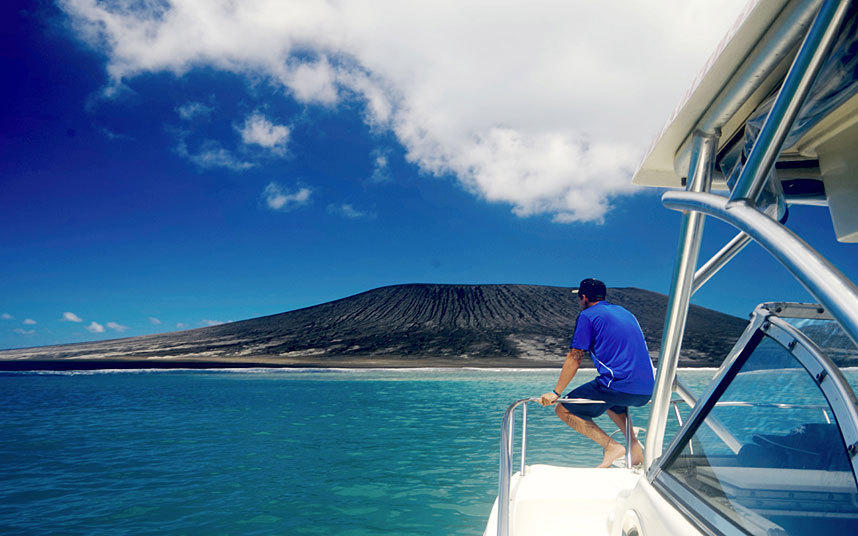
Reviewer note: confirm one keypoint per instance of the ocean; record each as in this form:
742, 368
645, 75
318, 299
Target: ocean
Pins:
273, 451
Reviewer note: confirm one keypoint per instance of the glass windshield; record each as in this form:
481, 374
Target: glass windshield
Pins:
769, 455
830, 337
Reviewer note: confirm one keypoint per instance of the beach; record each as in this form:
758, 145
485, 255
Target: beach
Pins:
266, 362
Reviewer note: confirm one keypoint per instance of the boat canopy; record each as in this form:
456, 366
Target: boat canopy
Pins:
731, 98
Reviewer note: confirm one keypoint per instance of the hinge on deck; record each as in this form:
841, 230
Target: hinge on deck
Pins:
821, 376
853, 449
792, 344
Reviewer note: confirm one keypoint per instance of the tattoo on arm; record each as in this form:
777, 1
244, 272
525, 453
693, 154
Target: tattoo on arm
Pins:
577, 354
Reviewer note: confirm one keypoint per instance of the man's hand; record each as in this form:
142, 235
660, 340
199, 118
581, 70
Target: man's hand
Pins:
548, 399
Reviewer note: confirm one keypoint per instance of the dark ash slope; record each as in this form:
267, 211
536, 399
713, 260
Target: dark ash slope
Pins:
452, 322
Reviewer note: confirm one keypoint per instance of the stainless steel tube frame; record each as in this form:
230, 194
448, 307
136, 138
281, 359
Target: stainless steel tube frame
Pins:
700, 179
795, 88
506, 467
835, 292
628, 433
719, 260
523, 438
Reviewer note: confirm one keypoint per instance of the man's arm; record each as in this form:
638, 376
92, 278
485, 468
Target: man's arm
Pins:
570, 367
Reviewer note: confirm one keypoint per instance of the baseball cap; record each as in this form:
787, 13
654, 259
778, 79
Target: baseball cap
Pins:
592, 288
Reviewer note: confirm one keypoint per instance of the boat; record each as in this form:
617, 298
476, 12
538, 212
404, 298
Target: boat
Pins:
770, 446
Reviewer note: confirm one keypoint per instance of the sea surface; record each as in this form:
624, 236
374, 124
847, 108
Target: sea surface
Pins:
345, 452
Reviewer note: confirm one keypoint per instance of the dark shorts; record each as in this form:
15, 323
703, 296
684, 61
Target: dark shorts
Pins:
616, 401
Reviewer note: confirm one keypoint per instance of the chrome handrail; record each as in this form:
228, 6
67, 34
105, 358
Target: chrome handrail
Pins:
505, 476
745, 404
506, 445
507, 439
679, 300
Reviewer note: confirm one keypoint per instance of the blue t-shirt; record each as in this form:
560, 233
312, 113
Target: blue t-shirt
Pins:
616, 343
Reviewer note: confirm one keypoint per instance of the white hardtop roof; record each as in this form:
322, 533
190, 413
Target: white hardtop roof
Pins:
745, 70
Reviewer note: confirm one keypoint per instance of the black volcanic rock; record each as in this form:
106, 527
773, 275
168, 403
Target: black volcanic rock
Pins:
450, 322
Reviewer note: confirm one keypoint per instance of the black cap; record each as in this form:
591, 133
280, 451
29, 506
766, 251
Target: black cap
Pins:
592, 288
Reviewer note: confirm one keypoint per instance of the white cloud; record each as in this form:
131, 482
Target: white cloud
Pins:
192, 110
155, 321
278, 199
207, 322
380, 172
116, 327
311, 82
95, 327
21, 331
29, 322
260, 131
180, 325
71, 317
210, 155
6, 316
546, 106
111, 135
346, 210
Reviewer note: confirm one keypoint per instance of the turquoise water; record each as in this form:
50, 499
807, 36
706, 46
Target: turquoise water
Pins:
268, 452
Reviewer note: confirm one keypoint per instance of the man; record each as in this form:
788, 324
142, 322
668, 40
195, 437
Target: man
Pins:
614, 339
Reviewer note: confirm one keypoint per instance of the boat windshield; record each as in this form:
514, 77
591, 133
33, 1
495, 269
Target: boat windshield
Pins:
831, 339
785, 467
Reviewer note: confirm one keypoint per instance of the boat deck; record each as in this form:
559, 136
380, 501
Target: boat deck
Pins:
564, 500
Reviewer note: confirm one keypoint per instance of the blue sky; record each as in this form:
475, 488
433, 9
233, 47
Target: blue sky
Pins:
151, 184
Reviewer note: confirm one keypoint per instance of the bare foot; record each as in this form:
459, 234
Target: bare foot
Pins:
612, 452
637, 453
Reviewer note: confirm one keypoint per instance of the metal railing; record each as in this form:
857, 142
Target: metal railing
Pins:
507, 439
507, 436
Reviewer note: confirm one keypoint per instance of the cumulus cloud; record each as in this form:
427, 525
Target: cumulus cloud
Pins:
260, 131
71, 317
180, 325
22, 331
347, 211
544, 106
6, 316
207, 322
95, 327
116, 327
155, 321
276, 198
29, 322
191, 110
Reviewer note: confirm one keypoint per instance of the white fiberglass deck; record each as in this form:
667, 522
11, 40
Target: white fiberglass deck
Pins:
563, 500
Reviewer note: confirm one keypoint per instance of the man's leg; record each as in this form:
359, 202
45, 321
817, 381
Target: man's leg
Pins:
587, 427
620, 420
